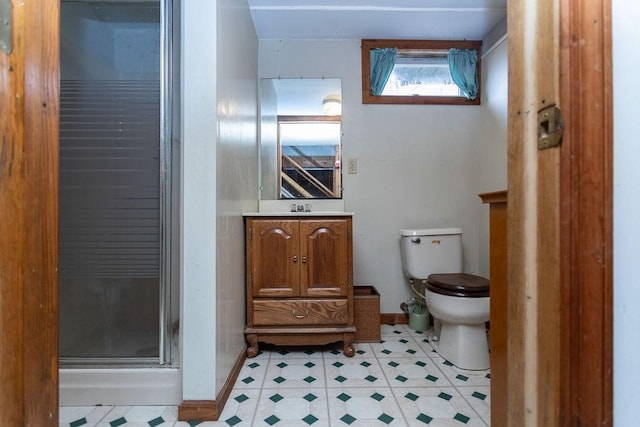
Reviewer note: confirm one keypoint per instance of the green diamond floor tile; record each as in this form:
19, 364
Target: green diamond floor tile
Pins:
411, 396
377, 396
462, 418
271, 420
385, 418
233, 420
310, 419
78, 423
479, 395
118, 422
424, 418
344, 397
347, 419
241, 398
276, 398
445, 396
310, 397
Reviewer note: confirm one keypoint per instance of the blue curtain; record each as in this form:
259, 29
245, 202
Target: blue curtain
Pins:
462, 65
382, 62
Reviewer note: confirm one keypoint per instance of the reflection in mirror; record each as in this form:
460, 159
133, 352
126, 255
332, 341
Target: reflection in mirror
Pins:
300, 143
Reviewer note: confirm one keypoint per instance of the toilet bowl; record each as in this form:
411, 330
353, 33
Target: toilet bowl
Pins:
458, 302
460, 336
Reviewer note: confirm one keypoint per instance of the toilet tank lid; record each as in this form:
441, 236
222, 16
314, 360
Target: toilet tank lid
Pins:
430, 232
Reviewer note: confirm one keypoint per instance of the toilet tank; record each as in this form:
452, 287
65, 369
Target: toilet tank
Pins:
430, 251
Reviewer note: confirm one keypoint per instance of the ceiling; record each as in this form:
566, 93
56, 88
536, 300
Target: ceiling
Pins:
370, 19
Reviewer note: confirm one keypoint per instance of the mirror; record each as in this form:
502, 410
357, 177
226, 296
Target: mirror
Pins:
300, 139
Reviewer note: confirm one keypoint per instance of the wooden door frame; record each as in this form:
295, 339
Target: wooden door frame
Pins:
29, 81
560, 216
587, 213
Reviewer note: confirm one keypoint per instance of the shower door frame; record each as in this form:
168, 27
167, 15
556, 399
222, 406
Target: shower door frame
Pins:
169, 229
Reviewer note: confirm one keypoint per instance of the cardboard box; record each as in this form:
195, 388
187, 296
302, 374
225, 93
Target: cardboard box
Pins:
366, 307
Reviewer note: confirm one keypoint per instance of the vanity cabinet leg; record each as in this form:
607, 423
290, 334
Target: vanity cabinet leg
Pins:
348, 349
252, 341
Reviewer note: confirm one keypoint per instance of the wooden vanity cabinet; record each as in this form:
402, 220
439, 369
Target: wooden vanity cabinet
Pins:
299, 281
499, 302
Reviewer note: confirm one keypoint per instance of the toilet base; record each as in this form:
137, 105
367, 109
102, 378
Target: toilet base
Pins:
465, 346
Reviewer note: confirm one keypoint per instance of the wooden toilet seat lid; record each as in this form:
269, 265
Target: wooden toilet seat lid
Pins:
459, 285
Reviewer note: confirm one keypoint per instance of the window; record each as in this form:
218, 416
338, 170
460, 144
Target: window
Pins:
419, 72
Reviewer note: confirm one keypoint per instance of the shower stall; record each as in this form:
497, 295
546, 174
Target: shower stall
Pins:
118, 275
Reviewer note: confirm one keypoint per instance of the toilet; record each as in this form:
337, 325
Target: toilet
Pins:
458, 302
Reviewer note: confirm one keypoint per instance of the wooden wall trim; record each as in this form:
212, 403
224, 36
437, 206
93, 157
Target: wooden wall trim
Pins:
210, 410
29, 80
587, 214
394, 318
199, 410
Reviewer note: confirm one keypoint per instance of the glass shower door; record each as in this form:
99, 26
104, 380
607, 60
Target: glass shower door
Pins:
110, 182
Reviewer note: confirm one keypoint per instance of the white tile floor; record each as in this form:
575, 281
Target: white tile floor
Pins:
398, 382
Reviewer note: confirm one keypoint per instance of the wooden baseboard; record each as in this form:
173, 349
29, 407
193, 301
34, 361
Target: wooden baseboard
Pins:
210, 410
198, 410
394, 319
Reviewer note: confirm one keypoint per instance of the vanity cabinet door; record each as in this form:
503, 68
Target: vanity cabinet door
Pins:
325, 250
273, 258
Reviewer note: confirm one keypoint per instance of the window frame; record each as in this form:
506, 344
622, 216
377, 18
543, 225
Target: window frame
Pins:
445, 45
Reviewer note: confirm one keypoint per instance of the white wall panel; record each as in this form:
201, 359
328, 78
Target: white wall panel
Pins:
237, 173
626, 211
198, 246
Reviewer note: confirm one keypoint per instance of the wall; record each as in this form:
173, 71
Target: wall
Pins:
492, 143
198, 200
626, 234
418, 166
219, 83
219, 165
237, 173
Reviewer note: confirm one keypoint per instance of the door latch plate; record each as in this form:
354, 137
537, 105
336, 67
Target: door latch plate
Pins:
550, 127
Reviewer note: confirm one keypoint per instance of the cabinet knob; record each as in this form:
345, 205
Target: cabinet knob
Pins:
304, 259
295, 258
300, 316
